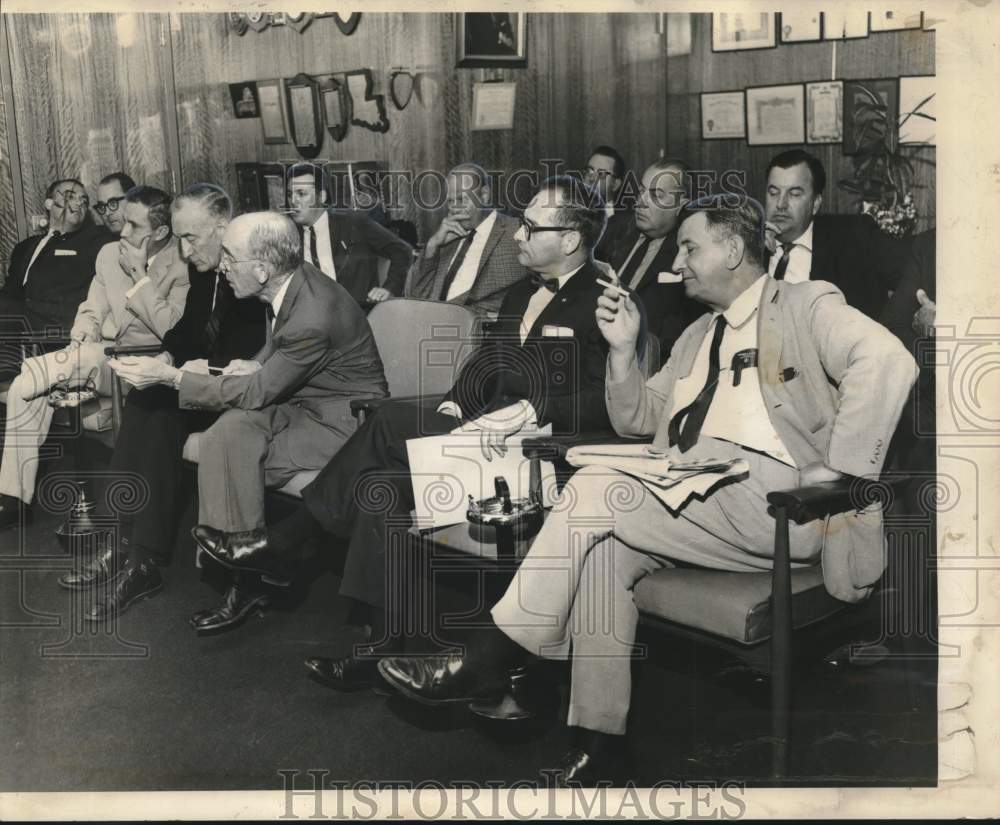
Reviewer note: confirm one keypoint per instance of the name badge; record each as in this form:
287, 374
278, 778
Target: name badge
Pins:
65, 252
668, 278
552, 331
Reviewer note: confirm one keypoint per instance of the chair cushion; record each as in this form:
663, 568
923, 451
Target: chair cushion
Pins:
732, 605
292, 488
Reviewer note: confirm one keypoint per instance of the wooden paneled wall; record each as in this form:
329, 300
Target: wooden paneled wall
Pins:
881, 54
94, 93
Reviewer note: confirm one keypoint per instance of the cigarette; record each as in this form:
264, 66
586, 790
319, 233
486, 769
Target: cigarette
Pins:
615, 287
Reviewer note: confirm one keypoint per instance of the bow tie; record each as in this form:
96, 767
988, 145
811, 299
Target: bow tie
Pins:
551, 285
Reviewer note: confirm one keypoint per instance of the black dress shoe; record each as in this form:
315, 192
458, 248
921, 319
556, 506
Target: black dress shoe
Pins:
236, 606
100, 568
10, 511
580, 769
248, 550
355, 672
133, 583
442, 679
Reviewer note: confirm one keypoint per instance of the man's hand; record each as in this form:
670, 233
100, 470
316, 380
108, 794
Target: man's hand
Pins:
924, 317
77, 338
771, 233
816, 473
241, 367
378, 294
618, 320
132, 259
142, 371
449, 229
198, 366
496, 427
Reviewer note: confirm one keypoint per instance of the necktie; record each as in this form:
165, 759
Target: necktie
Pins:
539, 282
219, 306
456, 265
626, 275
269, 311
779, 273
313, 253
685, 427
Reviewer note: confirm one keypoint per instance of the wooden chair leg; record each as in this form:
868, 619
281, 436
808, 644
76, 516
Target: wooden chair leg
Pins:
781, 646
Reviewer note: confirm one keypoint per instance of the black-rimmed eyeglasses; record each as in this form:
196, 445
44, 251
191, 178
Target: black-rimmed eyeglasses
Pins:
110, 205
531, 228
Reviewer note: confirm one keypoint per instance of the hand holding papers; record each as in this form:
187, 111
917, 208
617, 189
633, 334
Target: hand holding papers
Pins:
673, 482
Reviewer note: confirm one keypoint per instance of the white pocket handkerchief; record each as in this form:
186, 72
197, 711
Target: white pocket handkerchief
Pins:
65, 252
668, 278
552, 331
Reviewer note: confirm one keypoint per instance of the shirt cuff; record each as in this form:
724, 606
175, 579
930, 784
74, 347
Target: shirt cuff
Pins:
137, 286
450, 408
178, 377
529, 411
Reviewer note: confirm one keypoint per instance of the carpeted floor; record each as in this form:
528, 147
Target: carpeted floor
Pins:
147, 704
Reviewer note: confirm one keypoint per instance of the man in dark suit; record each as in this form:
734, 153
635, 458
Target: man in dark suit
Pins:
543, 364
643, 258
605, 173
489, 33
846, 250
472, 258
345, 245
215, 328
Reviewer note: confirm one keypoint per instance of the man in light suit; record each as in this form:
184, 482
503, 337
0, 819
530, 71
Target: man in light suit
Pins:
346, 246
136, 295
820, 400
849, 251
472, 258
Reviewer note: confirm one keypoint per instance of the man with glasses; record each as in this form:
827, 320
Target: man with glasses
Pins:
605, 172
136, 295
543, 363
472, 258
110, 197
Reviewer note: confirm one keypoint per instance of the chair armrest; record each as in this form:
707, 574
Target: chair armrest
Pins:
147, 349
829, 497
555, 447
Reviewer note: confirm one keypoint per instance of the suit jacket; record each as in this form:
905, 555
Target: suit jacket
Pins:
919, 270
356, 244
621, 222
562, 377
242, 331
498, 270
320, 355
834, 384
58, 280
110, 315
852, 253
667, 310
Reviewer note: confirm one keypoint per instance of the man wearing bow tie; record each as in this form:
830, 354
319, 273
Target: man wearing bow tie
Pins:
544, 363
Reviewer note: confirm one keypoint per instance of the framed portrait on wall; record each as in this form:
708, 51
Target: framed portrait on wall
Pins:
825, 112
776, 115
244, 97
859, 97
491, 39
272, 111
723, 115
800, 26
739, 30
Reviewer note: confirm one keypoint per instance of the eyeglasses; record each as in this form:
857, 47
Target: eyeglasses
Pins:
601, 173
529, 229
226, 260
110, 205
70, 196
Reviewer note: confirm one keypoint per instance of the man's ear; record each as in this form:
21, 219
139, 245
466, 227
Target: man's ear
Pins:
161, 232
735, 250
817, 203
48, 204
260, 272
571, 241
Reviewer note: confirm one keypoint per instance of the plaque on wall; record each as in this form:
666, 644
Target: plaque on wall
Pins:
249, 187
367, 110
347, 26
336, 107
245, 101
303, 115
401, 84
272, 111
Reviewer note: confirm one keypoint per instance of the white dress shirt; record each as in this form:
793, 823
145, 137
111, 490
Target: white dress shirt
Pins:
651, 252
321, 227
278, 298
465, 278
800, 260
737, 414
539, 301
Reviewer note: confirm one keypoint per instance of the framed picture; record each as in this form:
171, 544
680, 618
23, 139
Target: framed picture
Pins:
723, 115
800, 26
825, 112
304, 115
493, 106
336, 107
858, 95
272, 111
917, 107
272, 186
491, 39
249, 188
245, 101
844, 25
776, 114
736, 31
890, 21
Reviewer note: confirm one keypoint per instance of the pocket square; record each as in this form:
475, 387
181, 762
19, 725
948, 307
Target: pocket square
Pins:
65, 252
668, 278
552, 331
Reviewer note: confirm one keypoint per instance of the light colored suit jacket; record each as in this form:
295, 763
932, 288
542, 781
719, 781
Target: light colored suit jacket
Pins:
834, 383
109, 315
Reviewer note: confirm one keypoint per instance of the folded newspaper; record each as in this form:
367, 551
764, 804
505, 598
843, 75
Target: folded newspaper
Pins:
672, 481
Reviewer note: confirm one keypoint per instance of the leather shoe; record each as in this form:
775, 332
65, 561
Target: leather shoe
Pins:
355, 672
236, 606
133, 583
579, 769
442, 679
10, 511
102, 567
248, 550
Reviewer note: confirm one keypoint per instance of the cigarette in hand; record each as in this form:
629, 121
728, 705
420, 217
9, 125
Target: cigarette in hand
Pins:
615, 287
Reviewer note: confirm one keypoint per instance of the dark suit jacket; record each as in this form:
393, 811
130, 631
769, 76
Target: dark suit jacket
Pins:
242, 331
666, 308
58, 280
563, 378
498, 270
864, 263
620, 223
320, 355
357, 242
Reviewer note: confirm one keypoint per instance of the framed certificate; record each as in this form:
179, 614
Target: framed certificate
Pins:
723, 115
303, 108
493, 106
272, 111
776, 115
800, 26
825, 112
733, 32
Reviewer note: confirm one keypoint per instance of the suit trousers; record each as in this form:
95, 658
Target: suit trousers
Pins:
572, 595
365, 493
29, 415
